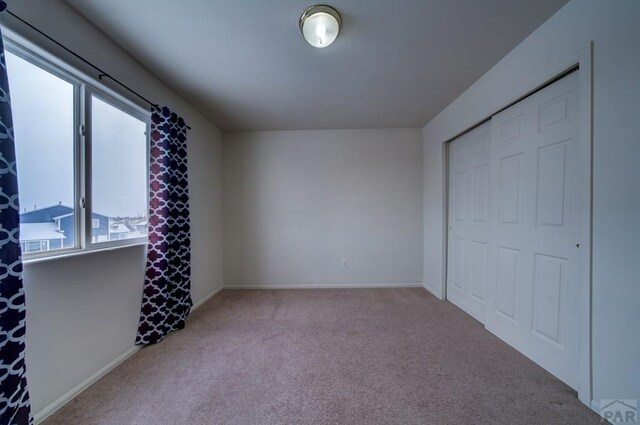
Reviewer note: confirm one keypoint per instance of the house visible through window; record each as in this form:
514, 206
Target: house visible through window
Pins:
55, 152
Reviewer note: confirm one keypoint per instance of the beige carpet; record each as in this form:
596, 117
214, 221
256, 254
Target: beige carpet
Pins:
328, 356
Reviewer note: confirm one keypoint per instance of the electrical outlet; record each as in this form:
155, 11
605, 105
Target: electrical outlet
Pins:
345, 263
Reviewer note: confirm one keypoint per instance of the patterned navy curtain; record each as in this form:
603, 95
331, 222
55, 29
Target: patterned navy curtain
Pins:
15, 408
166, 300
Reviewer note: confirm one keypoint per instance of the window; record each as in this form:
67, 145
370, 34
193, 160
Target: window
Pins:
44, 134
82, 158
118, 168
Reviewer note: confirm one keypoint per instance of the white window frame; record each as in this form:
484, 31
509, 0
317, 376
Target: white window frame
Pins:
84, 87
93, 223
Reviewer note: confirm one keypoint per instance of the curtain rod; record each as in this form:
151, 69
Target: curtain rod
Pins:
102, 74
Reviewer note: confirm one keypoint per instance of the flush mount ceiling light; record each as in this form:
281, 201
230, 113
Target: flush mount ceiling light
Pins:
320, 25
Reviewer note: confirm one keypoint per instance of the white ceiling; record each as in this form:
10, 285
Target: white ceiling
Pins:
244, 63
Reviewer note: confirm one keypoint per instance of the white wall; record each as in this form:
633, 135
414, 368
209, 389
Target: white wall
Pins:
82, 312
614, 28
298, 202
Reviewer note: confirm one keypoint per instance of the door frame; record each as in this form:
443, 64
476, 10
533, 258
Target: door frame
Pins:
583, 60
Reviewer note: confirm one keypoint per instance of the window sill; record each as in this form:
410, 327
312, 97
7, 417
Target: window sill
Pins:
79, 253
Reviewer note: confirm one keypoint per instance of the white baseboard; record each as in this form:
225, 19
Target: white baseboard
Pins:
433, 292
72, 393
75, 391
329, 286
595, 406
207, 298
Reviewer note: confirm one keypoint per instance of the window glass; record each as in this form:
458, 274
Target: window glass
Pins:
46, 109
43, 118
118, 173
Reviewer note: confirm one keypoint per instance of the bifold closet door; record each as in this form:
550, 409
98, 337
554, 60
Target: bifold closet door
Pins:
533, 268
468, 220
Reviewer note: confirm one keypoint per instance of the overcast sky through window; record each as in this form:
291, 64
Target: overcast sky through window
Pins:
42, 106
119, 162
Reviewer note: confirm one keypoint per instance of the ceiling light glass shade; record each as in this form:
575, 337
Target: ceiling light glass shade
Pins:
320, 25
